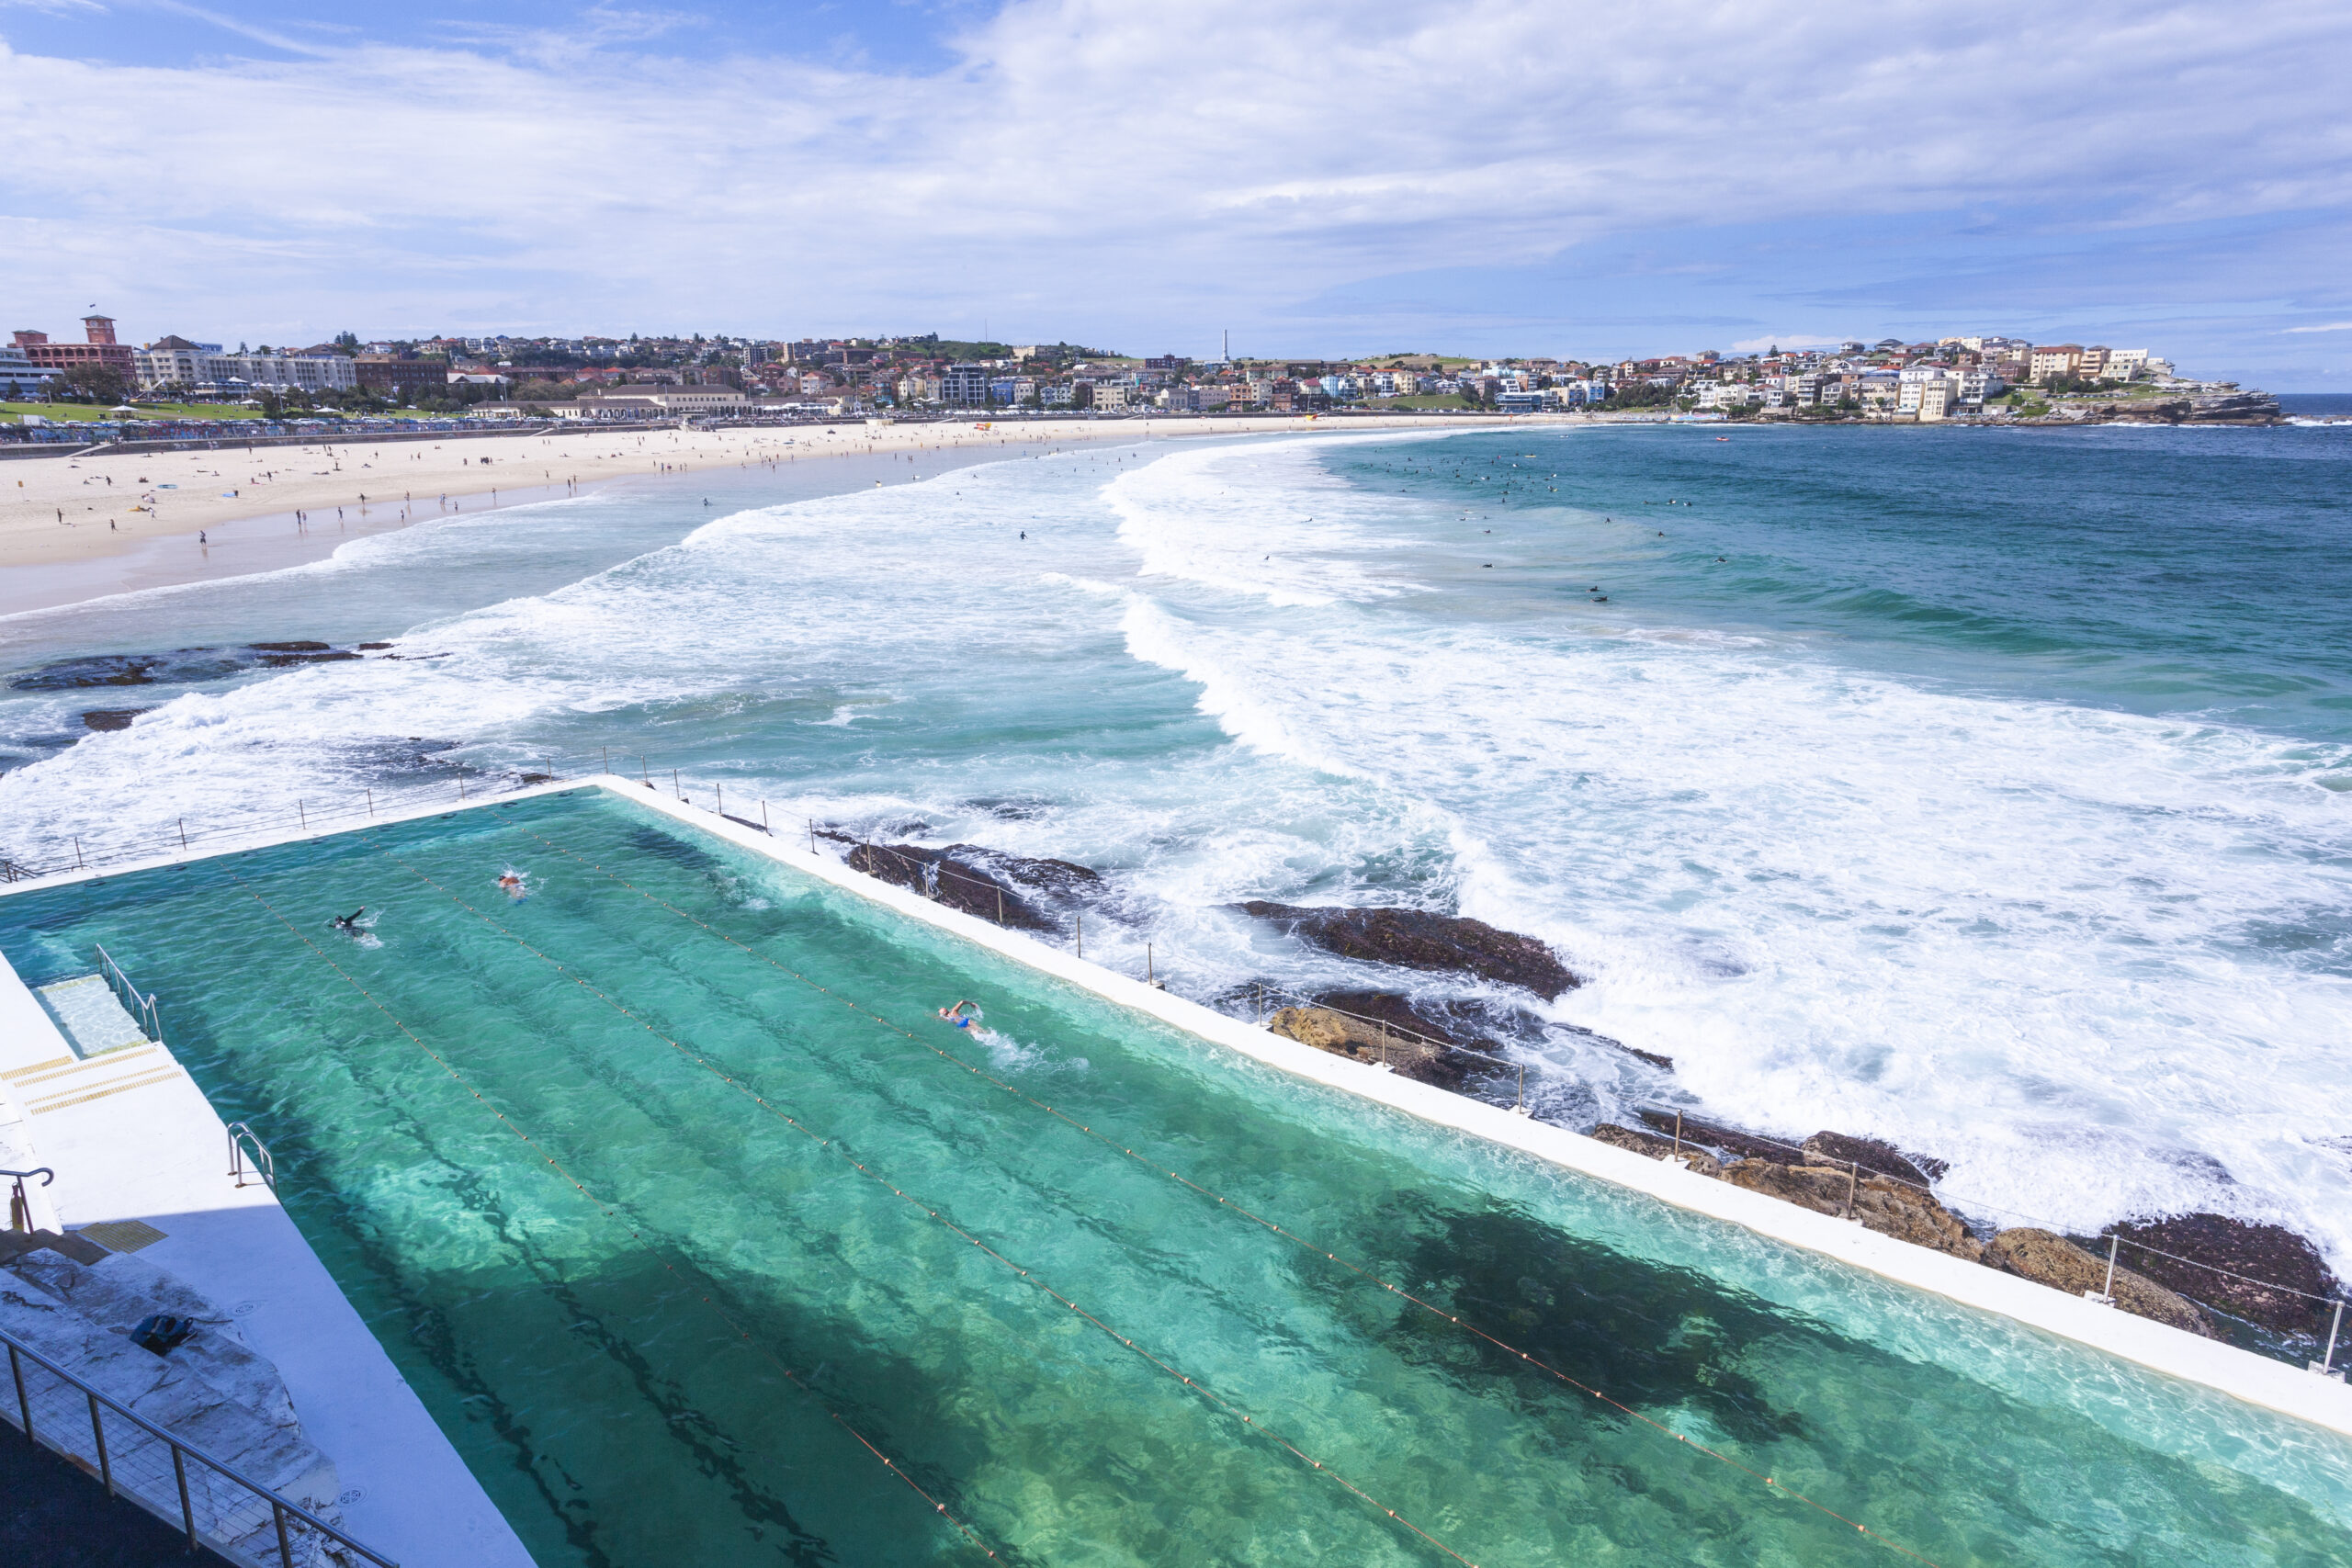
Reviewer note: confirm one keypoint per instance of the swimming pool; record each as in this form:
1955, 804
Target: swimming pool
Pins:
683, 1213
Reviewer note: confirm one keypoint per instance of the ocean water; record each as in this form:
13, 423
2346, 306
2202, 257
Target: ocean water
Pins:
738, 1263
1981, 791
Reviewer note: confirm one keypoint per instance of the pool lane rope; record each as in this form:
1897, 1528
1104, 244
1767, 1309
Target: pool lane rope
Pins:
832, 1145
1683, 1440
610, 1213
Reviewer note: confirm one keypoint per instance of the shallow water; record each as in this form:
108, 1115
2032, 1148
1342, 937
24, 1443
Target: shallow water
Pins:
611, 1355
1981, 791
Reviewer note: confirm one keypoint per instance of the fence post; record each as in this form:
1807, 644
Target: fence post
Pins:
1000, 906
1853, 1184
183, 833
2106, 1291
24, 1405
77, 854
1678, 1134
675, 788
285, 1548
721, 791
301, 816
371, 806
2327, 1369
1081, 917
98, 1432
1149, 978
187, 1510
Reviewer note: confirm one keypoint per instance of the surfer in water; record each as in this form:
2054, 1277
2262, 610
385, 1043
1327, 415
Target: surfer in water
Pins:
958, 1015
349, 924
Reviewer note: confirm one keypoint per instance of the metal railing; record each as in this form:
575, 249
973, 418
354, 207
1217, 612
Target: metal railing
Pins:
224, 1518
140, 1008
240, 1136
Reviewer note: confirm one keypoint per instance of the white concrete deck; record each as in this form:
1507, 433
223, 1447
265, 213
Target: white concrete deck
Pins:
131, 1137
2258, 1380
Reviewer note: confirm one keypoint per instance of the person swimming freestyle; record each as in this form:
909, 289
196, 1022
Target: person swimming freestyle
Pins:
963, 1015
349, 924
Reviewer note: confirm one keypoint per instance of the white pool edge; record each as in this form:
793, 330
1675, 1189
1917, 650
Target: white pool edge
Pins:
2240, 1374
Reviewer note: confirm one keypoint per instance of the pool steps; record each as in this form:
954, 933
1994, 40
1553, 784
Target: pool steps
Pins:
142, 1163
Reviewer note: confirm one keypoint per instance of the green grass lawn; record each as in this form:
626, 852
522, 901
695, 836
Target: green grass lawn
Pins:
89, 411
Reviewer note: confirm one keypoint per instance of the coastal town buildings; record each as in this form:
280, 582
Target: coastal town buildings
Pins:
590, 375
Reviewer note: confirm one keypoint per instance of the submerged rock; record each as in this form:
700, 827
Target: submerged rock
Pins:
1416, 939
2048, 1259
2287, 1262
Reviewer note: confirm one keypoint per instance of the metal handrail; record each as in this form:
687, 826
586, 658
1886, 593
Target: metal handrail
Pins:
126, 992
281, 1508
20, 1204
264, 1166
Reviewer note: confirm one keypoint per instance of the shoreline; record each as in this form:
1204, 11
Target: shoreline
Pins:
162, 510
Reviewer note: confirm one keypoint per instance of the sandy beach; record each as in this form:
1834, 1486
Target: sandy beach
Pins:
87, 509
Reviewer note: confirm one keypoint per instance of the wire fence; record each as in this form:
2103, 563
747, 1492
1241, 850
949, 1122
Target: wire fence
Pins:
1013, 904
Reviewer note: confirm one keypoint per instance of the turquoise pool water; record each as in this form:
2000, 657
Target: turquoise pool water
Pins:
684, 1364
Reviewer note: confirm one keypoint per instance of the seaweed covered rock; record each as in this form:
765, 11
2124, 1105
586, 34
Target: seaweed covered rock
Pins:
2048, 1259
1416, 939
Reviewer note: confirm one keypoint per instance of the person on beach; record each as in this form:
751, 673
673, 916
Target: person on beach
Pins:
957, 1016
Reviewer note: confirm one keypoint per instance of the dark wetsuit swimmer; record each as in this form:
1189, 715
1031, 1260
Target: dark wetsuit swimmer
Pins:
349, 924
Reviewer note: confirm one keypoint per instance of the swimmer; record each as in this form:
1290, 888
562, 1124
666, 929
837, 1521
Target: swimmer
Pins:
349, 924
510, 881
958, 1017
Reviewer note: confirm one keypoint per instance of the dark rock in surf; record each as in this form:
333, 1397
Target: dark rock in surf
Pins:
1725, 1140
2298, 1284
2220, 408
1012, 890
1416, 939
1875, 1158
112, 718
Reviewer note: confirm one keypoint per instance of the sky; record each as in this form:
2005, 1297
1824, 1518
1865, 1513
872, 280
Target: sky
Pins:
1477, 177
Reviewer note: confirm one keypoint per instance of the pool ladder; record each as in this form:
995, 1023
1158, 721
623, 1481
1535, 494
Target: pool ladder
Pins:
265, 1168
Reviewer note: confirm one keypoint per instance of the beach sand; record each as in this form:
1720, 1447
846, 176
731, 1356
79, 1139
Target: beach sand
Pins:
88, 509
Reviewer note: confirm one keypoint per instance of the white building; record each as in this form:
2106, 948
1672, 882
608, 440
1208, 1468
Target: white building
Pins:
20, 377
176, 362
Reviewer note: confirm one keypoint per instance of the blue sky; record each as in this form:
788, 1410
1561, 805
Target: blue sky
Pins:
1480, 177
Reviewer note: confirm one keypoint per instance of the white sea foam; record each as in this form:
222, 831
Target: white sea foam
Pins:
2052, 945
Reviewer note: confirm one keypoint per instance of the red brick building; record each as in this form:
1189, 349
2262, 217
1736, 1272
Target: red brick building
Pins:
101, 349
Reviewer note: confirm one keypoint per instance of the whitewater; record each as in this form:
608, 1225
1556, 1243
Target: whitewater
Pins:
1875, 793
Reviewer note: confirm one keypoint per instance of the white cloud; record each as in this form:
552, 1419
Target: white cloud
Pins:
2330, 327
1089, 162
